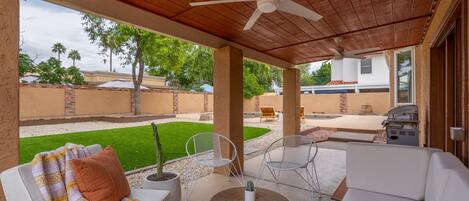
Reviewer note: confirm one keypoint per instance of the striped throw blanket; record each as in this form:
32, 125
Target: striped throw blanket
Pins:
53, 173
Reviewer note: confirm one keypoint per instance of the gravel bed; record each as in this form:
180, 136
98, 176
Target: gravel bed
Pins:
185, 165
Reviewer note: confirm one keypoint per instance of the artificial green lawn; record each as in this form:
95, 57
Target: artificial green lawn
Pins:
134, 145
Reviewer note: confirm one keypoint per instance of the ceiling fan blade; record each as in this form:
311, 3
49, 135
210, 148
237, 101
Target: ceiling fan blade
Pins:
363, 50
335, 51
294, 8
352, 56
257, 13
203, 3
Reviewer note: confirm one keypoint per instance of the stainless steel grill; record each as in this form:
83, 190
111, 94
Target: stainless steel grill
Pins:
402, 125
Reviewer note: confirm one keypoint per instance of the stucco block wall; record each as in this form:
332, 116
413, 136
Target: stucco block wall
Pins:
321, 103
378, 101
190, 103
249, 105
275, 101
41, 102
94, 101
210, 102
157, 103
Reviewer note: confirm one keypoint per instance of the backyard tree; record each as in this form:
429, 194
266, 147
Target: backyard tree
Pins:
26, 64
103, 33
134, 46
74, 55
322, 76
59, 49
138, 46
52, 72
73, 76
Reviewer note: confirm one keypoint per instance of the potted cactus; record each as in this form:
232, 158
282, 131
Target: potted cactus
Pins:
162, 180
250, 192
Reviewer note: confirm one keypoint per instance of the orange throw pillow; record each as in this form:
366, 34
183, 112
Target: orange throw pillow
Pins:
101, 177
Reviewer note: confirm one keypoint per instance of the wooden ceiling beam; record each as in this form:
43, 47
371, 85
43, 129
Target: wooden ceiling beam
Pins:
350, 32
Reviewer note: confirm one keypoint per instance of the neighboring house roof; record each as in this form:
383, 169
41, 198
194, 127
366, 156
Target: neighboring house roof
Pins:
99, 77
341, 82
207, 88
123, 84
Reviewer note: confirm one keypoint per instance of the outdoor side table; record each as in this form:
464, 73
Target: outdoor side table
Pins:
237, 194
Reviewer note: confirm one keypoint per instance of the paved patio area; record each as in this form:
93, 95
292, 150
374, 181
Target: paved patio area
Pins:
331, 158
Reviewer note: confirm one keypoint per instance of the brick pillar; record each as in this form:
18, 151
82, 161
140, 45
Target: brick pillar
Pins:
343, 103
69, 100
175, 102
132, 109
205, 102
257, 103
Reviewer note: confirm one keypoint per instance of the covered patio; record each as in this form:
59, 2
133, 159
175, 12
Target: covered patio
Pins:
284, 40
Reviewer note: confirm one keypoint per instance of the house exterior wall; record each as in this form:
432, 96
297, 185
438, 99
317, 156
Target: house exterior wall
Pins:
422, 67
379, 71
336, 69
349, 70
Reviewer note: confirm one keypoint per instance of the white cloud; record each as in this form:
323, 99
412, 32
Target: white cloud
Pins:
42, 24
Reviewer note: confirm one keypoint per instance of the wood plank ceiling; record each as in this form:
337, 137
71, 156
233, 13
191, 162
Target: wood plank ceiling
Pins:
383, 24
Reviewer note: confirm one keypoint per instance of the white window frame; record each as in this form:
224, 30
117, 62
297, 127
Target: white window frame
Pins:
396, 84
371, 67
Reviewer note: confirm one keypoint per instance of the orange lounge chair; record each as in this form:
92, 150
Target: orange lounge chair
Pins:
268, 112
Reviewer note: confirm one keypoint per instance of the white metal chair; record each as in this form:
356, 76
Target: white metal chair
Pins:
206, 149
294, 153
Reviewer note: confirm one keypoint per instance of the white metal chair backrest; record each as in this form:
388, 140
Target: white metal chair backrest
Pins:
295, 149
210, 146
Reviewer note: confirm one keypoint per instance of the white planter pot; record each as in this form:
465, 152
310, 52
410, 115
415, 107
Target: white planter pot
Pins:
173, 185
249, 195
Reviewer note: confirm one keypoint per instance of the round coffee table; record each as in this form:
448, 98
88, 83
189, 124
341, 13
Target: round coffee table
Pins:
237, 194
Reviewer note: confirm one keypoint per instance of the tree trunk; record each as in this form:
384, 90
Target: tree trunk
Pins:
137, 79
73, 60
110, 59
58, 56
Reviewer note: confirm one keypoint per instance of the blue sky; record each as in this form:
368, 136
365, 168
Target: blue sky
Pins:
42, 24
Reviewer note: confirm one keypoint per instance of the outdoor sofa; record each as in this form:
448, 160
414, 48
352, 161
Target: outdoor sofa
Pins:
404, 173
19, 185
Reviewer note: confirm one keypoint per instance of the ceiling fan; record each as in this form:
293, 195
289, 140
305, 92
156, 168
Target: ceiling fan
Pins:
340, 53
268, 6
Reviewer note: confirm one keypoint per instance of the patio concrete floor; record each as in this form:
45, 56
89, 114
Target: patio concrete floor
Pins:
330, 164
205, 188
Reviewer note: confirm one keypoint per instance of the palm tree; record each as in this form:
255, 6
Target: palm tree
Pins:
108, 41
74, 55
59, 49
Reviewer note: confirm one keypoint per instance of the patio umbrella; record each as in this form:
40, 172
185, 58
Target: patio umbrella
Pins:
120, 84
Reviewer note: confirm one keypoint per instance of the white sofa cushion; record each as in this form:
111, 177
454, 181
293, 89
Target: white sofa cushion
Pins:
149, 195
439, 170
457, 186
19, 185
361, 195
388, 169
